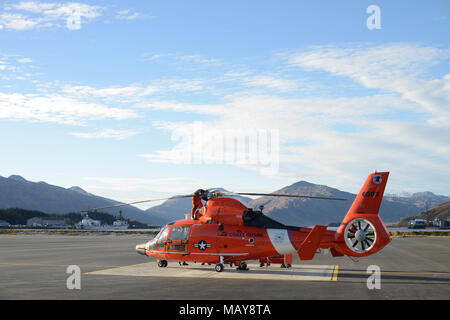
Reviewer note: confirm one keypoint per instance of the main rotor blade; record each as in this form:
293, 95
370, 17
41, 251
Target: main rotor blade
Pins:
217, 193
136, 202
285, 195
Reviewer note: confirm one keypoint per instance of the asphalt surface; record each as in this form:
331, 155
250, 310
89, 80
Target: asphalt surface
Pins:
33, 266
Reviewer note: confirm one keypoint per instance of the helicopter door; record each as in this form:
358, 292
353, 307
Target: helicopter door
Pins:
178, 238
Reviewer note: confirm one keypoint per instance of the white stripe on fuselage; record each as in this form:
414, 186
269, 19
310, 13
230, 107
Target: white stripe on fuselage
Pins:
280, 240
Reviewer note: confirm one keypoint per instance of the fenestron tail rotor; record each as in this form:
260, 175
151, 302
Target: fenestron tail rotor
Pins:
360, 235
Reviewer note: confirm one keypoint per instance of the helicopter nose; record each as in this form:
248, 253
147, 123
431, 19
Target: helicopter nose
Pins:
140, 248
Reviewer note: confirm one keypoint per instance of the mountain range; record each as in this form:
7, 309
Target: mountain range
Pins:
17, 192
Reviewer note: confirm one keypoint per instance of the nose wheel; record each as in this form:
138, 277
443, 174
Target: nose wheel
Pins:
162, 263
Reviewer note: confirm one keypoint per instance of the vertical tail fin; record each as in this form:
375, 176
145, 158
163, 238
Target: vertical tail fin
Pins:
369, 197
362, 231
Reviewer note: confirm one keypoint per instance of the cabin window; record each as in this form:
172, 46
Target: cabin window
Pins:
176, 247
179, 233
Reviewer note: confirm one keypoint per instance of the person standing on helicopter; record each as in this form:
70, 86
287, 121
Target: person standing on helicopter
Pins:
197, 202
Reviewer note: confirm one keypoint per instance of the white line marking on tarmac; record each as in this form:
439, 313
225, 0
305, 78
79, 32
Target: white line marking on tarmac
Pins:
296, 272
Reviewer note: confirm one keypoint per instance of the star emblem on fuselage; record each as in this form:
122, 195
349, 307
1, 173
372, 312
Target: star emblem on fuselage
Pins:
202, 245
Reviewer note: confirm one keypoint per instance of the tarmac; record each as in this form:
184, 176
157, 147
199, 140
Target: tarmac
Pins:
34, 266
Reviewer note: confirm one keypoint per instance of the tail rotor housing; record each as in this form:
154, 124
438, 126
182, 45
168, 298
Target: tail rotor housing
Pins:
362, 231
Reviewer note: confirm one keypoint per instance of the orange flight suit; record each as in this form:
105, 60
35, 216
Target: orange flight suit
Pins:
196, 204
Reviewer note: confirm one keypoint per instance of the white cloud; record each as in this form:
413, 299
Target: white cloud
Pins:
136, 93
185, 107
111, 92
106, 134
156, 56
17, 21
127, 15
24, 60
31, 6
30, 15
402, 128
198, 59
57, 108
270, 82
399, 68
182, 85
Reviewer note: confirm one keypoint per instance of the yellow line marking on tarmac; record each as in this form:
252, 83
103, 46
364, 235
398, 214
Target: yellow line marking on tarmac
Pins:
335, 273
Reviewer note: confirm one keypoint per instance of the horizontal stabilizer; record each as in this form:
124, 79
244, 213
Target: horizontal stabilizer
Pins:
308, 248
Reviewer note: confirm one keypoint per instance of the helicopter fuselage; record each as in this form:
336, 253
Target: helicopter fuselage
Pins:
213, 243
229, 232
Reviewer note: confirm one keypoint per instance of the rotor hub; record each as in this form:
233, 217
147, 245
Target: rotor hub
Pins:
360, 235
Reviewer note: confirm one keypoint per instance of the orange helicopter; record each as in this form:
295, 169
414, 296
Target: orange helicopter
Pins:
224, 231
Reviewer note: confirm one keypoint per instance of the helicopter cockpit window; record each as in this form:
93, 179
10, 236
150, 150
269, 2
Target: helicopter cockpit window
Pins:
158, 234
162, 239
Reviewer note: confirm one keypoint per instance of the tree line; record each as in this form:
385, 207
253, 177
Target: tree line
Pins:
18, 216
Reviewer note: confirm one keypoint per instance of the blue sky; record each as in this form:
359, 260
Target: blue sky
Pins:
106, 94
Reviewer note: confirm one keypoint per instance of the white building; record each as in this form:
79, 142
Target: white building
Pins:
4, 223
45, 222
89, 224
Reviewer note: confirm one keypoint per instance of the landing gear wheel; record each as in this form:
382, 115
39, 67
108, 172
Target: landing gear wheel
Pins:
243, 266
162, 263
219, 267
